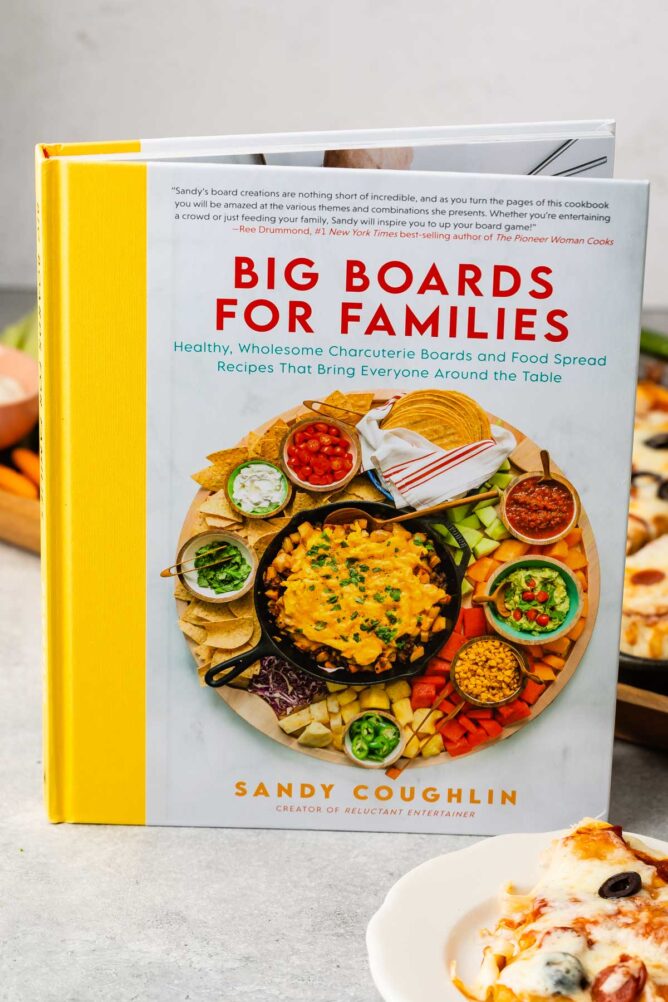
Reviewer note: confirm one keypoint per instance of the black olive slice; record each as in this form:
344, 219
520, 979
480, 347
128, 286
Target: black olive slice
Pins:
621, 885
659, 441
564, 974
662, 490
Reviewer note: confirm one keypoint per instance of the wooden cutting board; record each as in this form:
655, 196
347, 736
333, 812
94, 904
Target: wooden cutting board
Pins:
642, 717
19, 521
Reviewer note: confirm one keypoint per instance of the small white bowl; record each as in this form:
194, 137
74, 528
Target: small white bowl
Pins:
189, 578
389, 759
18, 417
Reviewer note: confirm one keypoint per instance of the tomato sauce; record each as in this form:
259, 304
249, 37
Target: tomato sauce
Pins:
538, 508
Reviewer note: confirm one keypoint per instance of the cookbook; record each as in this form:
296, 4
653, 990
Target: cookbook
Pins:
336, 436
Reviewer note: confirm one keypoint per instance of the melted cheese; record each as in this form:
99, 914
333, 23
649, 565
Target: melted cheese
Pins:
359, 593
565, 914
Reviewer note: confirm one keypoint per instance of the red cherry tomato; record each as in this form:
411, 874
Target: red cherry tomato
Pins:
299, 438
531, 614
347, 461
327, 450
320, 426
293, 451
320, 464
531, 583
542, 619
333, 431
313, 445
517, 615
542, 596
325, 440
328, 479
316, 479
338, 450
528, 596
304, 456
337, 464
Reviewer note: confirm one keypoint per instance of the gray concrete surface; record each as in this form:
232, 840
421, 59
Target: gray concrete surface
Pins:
101, 914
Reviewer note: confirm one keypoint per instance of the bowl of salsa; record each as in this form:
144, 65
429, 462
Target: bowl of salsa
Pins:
537, 510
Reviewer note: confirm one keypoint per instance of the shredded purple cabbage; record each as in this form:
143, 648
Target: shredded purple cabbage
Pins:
284, 688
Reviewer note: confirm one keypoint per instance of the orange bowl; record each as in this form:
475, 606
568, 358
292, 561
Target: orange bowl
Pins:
18, 416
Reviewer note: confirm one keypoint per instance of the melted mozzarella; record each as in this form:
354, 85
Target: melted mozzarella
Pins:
565, 914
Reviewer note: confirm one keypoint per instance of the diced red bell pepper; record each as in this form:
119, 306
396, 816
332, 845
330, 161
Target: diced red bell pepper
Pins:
423, 695
475, 623
452, 645
477, 713
445, 706
491, 727
451, 731
532, 691
512, 712
458, 748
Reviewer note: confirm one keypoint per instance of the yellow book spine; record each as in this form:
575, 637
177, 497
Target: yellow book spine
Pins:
91, 221
51, 421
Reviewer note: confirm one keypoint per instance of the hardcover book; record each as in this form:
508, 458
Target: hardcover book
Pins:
336, 435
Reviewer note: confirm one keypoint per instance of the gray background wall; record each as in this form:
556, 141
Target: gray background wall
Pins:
87, 69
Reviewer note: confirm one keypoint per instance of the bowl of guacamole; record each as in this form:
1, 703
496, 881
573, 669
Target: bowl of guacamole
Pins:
543, 597
217, 566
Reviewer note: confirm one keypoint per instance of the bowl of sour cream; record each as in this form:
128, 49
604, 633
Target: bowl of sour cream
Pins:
258, 489
18, 395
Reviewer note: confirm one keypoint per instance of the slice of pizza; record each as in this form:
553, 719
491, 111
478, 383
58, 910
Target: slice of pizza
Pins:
595, 926
644, 631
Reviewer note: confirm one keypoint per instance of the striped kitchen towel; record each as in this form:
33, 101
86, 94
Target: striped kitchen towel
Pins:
418, 473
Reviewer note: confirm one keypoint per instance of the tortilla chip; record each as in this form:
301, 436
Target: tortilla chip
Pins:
268, 445
229, 457
196, 633
362, 488
230, 635
259, 527
217, 504
191, 615
242, 607
198, 525
261, 544
346, 407
215, 477
214, 522
202, 653
209, 612
202, 670
242, 680
303, 501
181, 593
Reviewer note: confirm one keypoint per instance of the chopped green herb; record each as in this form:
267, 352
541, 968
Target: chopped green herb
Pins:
228, 571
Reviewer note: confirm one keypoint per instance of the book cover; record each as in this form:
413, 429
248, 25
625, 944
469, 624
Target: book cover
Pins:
248, 371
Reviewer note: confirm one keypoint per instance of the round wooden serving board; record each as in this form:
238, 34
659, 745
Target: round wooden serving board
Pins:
254, 710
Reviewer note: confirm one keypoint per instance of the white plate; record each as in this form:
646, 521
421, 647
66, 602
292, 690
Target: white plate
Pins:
434, 914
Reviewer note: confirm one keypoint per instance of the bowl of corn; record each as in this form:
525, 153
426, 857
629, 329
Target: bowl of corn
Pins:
488, 671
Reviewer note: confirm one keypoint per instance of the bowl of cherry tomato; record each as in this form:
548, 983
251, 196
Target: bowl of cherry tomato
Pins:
320, 454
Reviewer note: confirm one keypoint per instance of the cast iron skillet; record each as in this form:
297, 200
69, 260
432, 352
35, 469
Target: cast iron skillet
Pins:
644, 673
272, 642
